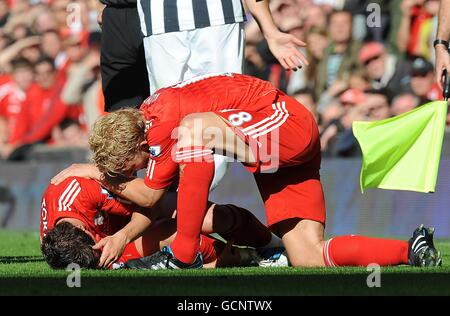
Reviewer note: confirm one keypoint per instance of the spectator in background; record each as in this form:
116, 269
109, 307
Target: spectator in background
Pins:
418, 24
423, 82
45, 22
15, 50
384, 70
45, 106
84, 83
376, 107
32, 53
76, 48
404, 102
51, 46
13, 103
341, 56
337, 138
4, 13
40, 27
69, 134
359, 80
314, 17
4, 41
59, 11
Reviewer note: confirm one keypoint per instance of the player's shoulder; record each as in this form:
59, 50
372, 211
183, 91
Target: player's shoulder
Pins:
76, 182
159, 102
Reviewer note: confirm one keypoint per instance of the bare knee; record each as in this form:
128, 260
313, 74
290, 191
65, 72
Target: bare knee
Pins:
188, 131
307, 255
303, 240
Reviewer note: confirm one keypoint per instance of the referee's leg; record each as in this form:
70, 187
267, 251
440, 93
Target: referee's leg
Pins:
124, 73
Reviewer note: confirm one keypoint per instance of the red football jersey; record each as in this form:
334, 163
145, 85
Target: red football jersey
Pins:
210, 93
84, 199
13, 110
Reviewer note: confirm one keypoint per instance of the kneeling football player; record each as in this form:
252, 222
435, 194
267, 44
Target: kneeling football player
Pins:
78, 217
178, 129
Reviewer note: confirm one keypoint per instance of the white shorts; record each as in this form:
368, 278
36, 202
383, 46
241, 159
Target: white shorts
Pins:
178, 56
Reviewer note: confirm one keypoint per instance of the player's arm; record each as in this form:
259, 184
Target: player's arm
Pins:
282, 45
134, 190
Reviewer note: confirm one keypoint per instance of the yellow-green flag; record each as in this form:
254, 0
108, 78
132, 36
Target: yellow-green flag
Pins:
403, 152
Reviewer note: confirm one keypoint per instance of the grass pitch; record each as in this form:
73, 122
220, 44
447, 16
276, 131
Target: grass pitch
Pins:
23, 272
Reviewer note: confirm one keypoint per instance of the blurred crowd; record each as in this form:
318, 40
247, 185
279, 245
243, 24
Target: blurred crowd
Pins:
50, 87
369, 60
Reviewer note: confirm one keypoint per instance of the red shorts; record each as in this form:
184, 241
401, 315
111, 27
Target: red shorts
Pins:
285, 139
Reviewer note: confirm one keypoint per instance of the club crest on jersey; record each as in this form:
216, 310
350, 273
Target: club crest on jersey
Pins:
152, 98
108, 194
154, 151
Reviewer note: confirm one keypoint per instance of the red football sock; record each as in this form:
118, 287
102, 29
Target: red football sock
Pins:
208, 248
196, 174
240, 226
362, 251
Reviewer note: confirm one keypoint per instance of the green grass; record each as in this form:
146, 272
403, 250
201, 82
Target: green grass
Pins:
23, 272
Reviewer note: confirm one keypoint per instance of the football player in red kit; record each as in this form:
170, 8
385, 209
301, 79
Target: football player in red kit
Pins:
179, 128
78, 215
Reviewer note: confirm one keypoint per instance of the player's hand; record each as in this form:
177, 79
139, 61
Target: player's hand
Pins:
113, 247
442, 63
83, 170
285, 49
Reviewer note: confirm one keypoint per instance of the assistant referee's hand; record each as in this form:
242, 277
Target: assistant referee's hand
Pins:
442, 63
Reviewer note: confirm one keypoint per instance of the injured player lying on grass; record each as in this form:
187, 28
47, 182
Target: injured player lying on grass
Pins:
178, 129
78, 216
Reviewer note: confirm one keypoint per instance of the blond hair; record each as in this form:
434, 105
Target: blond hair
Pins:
115, 140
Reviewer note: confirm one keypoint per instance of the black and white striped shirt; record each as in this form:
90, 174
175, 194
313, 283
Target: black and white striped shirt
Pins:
165, 16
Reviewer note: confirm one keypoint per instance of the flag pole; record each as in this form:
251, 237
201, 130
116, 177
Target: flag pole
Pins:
446, 91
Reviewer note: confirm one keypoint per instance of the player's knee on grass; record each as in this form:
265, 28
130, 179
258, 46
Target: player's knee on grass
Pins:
306, 255
66, 244
303, 240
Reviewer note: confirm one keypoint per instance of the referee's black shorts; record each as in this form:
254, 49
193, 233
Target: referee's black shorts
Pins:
124, 72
